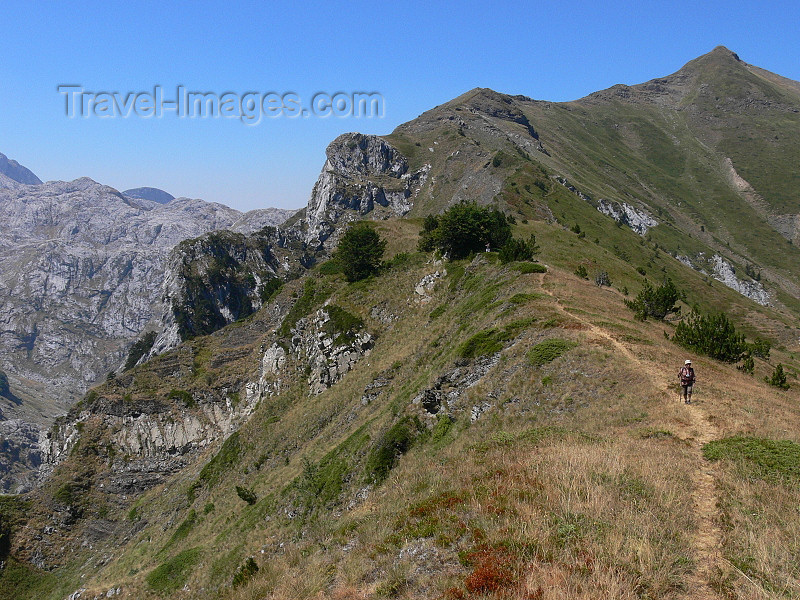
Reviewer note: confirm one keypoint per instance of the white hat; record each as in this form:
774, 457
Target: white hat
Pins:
688, 362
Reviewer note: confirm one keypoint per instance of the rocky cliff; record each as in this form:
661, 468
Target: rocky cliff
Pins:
81, 274
363, 175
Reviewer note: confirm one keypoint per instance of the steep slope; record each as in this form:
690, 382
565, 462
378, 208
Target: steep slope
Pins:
454, 429
382, 447
16, 172
700, 161
81, 275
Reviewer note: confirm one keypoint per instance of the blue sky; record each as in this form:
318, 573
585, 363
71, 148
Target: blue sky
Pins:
416, 55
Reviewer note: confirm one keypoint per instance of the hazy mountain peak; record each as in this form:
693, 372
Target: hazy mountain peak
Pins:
13, 170
150, 193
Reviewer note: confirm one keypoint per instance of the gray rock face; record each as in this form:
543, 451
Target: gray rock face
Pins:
19, 455
157, 438
624, 213
81, 274
724, 272
363, 173
314, 348
16, 172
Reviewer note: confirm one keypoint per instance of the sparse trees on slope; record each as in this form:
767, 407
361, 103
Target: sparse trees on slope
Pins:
778, 378
655, 302
360, 252
463, 229
713, 335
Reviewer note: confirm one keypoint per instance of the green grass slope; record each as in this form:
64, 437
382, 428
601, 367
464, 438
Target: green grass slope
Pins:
523, 439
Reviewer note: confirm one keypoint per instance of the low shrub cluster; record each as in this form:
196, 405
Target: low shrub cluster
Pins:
246, 494
519, 250
528, 267
172, 575
656, 303
760, 457
778, 378
397, 440
549, 350
245, 572
713, 335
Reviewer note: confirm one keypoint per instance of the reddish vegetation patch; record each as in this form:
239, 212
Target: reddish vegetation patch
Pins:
494, 570
576, 325
445, 500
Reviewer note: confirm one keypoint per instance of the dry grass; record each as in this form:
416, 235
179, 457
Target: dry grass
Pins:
576, 481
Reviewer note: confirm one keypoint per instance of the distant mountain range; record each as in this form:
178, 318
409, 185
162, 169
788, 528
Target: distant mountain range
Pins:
81, 273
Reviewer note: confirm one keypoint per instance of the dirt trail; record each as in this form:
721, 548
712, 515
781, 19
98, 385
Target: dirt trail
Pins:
707, 539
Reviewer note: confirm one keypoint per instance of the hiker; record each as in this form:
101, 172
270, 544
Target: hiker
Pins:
686, 376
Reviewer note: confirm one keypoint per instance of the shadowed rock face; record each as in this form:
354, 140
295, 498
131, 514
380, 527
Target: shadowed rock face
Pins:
150, 193
16, 172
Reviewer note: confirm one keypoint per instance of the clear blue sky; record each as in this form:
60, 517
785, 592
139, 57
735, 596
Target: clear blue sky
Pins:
417, 55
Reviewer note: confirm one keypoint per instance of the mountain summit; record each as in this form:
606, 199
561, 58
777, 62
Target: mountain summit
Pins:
16, 172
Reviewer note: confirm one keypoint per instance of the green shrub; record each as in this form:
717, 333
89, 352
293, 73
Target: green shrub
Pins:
759, 457
313, 295
246, 495
441, 432
65, 495
397, 440
341, 325
172, 575
464, 229
245, 572
522, 298
528, 267
270, 289
657, 303
549, 350
519, 250
748, 365
360, 252
209, 508
760, 348
778, 378
582, 272
184, 528
320, 484
330, 267
139, 349
483, 343
183, 396
713, 335
437, 312
227, 456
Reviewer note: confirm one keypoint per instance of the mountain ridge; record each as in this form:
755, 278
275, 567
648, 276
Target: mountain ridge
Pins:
455, 429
